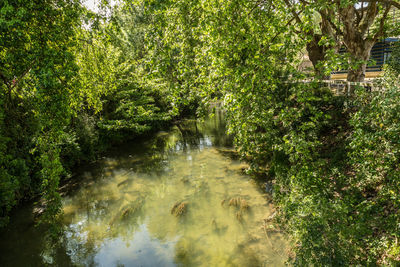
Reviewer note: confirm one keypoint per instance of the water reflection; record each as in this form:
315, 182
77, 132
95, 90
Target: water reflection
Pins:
174, 199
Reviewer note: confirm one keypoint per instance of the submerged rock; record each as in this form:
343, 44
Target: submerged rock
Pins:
123, 182
237, 202
179, 208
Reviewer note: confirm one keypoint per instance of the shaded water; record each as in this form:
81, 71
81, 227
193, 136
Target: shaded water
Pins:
176, 199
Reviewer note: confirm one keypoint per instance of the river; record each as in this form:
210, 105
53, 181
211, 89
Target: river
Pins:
175, 198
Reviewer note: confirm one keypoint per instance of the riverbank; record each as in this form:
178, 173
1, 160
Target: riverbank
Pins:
114, 215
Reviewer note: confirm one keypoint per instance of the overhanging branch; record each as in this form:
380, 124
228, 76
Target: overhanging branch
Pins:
295, 15
389, 2
15, 84
380, 31
369, 19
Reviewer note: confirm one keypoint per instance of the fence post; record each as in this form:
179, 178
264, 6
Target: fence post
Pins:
348, 88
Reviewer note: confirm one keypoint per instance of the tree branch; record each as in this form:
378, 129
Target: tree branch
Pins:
15, 84
369, 18
304, 2
380, 31
295, 15
362, 9
290, 21
325, 16
255, 6
5, 81
388, 2
358, 15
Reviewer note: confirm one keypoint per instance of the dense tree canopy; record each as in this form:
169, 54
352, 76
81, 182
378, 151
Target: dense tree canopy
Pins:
37, 70
73, 82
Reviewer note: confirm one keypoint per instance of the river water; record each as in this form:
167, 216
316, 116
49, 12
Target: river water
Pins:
178, 198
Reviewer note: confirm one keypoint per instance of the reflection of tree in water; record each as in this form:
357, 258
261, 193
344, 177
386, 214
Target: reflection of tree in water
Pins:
38, 249
139, 184
151, 155
215, 127
195, 133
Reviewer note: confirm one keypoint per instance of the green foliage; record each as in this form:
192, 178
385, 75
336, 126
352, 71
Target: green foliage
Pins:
36, 67
334, 169
394, 62
299, 135
288, 142
111, 72
374, 156
68, 91
8, 183
133, 109
173, 52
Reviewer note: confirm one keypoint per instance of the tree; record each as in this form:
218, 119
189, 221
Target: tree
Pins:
67, 91
316, 47
354, 24
36, 73
298, 135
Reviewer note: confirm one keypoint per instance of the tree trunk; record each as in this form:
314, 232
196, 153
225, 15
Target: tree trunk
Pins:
360, 53
357, 75
356, 40
316, 54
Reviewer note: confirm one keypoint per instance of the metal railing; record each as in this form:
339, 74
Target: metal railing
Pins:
346, 88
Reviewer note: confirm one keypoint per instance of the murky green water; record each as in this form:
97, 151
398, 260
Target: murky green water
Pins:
175, 199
